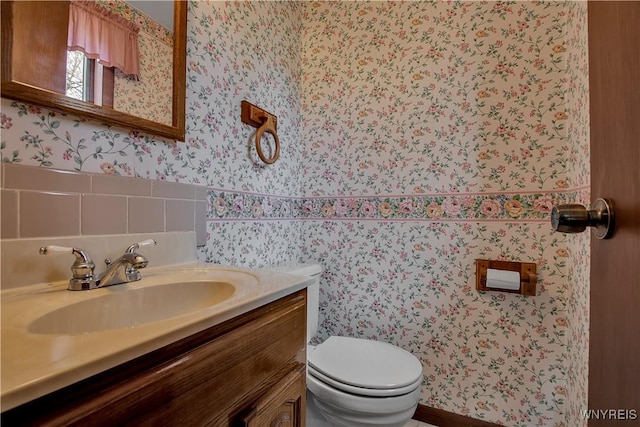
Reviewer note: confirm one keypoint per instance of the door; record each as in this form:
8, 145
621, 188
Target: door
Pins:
614, 87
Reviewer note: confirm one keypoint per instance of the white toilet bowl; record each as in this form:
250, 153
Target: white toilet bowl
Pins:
344, 409
358, 382
361, 383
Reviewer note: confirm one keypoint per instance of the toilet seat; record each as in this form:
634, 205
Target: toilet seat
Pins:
365, 367
360, 391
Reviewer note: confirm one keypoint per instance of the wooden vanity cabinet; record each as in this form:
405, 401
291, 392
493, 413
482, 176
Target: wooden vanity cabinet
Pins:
248, 371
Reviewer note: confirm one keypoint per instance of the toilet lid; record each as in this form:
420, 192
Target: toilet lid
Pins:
365, 363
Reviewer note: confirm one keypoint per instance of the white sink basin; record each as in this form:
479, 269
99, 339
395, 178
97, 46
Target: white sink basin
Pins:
128, 308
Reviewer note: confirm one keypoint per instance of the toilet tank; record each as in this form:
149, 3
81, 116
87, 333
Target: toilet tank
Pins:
313, 293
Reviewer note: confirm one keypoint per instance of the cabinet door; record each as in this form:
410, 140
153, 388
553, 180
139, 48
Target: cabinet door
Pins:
284, 405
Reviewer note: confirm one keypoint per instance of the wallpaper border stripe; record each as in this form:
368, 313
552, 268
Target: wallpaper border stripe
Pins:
523, 206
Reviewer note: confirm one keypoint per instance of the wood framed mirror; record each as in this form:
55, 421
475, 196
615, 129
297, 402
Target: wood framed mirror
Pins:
28, 64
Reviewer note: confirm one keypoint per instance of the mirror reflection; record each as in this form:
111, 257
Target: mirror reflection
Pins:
35, 35
133, 74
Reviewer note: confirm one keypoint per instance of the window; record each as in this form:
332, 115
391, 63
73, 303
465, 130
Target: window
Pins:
98, 42
88, 80
77, 76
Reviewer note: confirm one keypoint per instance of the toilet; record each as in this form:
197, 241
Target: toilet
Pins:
357, 382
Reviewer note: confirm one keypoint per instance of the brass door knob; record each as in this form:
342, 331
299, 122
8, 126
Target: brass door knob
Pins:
573, 218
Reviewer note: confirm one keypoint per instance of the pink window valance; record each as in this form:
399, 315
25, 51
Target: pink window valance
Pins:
104, 36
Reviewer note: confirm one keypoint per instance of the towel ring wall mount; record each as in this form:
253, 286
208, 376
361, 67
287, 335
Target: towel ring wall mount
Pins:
264, 122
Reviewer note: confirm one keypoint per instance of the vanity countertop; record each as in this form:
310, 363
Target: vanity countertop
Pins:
35, 364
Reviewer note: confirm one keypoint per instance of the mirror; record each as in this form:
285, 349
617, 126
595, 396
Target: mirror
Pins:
30, 60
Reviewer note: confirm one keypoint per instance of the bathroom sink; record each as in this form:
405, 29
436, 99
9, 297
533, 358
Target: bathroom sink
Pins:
127, 308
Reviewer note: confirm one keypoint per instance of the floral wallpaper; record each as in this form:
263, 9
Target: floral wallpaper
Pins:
149, 97
243, 51
468, 94
578, 245
252, 243
416, 138
436, 134
36, 136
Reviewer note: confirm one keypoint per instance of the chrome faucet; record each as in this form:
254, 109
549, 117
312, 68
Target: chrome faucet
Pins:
122, 270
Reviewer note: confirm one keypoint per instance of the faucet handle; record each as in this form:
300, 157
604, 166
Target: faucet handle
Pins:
53, 248
132, 248
82, 267
81, 270
136, 246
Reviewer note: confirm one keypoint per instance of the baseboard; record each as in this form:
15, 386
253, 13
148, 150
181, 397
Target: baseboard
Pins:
442, 418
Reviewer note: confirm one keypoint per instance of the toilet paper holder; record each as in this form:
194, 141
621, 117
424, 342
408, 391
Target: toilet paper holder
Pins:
527, 271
